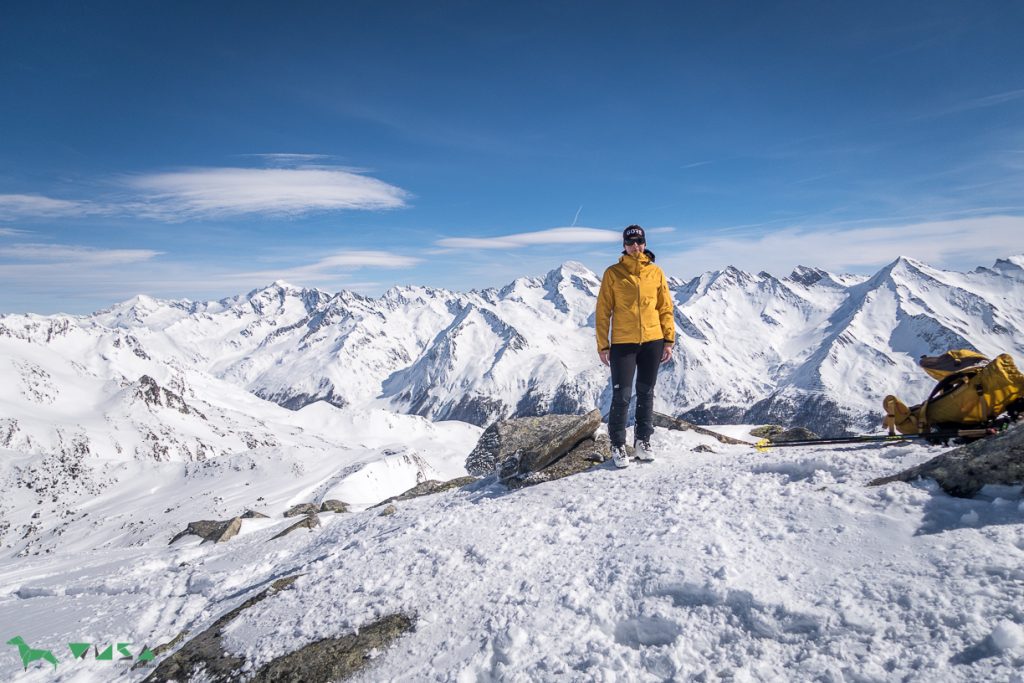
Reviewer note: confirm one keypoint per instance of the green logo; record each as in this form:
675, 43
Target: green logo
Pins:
78, 651
28, 655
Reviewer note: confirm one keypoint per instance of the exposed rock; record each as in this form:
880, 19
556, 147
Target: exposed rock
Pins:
794, 434
153, 394
252, 514
333, 505
528, 444
668, 422
702, 448
388, 511
767, 431
302, 509
963, 471
310, 521
428, 487
211, 530
205, 654
333, 659
589, 452
160, 649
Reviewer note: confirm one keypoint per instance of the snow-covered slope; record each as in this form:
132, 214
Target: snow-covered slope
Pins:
730, 565
117, 429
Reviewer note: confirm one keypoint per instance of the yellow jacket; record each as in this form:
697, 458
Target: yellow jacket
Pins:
636, 302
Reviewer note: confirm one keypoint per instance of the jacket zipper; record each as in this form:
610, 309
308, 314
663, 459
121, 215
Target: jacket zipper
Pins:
639, 308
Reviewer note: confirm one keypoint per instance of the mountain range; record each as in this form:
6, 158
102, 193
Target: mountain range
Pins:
813, 349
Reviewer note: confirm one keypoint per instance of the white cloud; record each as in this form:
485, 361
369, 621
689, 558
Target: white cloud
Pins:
73, 254
330, 268
956, 243
288, 158
13, 232
24, 205
212, 192
236, 191
526, 239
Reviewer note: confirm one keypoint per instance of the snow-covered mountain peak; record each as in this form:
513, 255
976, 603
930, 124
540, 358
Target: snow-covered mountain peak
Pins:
1012, 267
570, 287
279, 297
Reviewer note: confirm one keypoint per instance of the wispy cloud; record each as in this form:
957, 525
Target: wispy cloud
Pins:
330, 267
13, 232
38, 206
527, 239
977, 103
955, 243
237, 191
289, 158
74, 254
572, 235
223, 192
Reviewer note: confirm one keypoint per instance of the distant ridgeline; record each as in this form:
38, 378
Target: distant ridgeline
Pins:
810, 349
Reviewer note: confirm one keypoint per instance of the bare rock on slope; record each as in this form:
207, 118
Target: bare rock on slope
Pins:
211, 530
668, 422
310, 521
527, 444
963, 471
427, 488
587, 454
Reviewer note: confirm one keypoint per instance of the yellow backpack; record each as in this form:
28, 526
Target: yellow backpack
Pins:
971, 392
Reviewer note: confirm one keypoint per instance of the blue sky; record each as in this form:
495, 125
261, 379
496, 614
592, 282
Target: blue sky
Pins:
187, 149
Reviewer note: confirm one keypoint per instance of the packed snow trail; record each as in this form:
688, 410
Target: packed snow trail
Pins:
728, 565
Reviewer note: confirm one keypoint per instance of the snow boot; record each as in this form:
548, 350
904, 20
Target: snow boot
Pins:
643, 449
620, 457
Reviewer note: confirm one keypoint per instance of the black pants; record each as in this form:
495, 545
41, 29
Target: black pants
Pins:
628, 360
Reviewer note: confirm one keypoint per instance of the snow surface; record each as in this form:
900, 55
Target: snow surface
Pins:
731, 565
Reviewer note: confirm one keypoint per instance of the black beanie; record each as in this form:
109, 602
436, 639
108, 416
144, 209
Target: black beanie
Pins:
634, 232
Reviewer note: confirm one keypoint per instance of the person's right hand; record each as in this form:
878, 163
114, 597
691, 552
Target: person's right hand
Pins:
604, 356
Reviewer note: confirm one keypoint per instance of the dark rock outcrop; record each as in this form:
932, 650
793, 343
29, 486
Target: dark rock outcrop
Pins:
588, 453
155, 395
528, 444
428, 487
794, 434
333, 659
310, 521
767, 431
388, 511
252, 514
205, 653
668, 422
211, 530
302, 509
963, 471
333, 505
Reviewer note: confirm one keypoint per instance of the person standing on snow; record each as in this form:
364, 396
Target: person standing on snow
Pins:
635, 303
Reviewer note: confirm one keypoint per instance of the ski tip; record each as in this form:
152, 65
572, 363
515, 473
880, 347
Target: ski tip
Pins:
763, 445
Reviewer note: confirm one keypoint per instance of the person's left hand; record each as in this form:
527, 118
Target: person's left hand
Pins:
666, 353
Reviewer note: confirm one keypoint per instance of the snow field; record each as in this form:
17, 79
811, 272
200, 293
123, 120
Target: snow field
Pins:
728, 565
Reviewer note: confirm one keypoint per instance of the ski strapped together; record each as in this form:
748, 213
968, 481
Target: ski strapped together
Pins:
932, 437
974, 398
